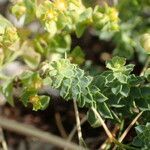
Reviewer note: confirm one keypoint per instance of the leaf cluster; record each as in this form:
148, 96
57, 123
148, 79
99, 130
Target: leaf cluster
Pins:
143, 137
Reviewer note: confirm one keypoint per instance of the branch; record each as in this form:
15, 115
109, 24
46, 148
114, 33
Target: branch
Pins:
78, 121
34, 132
129, 127
111, 137
84, 119
2, 140
60, 125
104, 125
146, 66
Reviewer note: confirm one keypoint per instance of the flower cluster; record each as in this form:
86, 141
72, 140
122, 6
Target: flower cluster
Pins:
145, 42
106, 18
66, 16
19, 9
10, 36
59, 15
8, 39
8, 33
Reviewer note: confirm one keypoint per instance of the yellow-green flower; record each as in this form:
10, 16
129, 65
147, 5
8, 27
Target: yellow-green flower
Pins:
46, 12
145, 42
19, 9
10, 36
37, 84
35, 101
1, 56
60, 4
113, 14
50, 14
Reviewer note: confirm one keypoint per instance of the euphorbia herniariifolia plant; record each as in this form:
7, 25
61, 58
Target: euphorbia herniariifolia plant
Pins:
114, 93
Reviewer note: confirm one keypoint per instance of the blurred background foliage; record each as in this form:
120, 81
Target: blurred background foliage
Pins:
134, 20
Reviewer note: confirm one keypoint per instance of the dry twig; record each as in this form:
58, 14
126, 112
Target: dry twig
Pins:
60, 125
34, 132
78, 121
2, 140
72, 133
129, 127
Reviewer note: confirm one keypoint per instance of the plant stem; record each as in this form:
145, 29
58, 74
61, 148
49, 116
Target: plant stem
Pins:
107, 143
2, 140
146, 66
34, 132
109, 133
60, 125
78, 121
84, 119
104, 125
129, 127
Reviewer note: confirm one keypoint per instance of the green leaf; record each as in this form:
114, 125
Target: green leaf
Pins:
80, 28
85, 19
82, 100
109, 78
116, 63
31, 80
99, 81
51, 27
147, 74
86, 16
26, 96
145, 91
129, 68
77, 55
121, 77
125, 90
104, 110
114, 101
26, 77
135, 80
8, 35
93, 119
44, 100
97, 95
59, 44
143, 104
3, 24
135, 92
65, 88
7, 90
30, 56
142, 140
116, 89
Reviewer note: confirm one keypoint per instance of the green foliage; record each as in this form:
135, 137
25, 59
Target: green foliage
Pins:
8, 41
92, 119
147, 74
67, 16
145, 42
72, 82
134, 21
142, 140
30, 56
116, 88
105, 18
77, 56
116, 93
31, 84
7, 90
